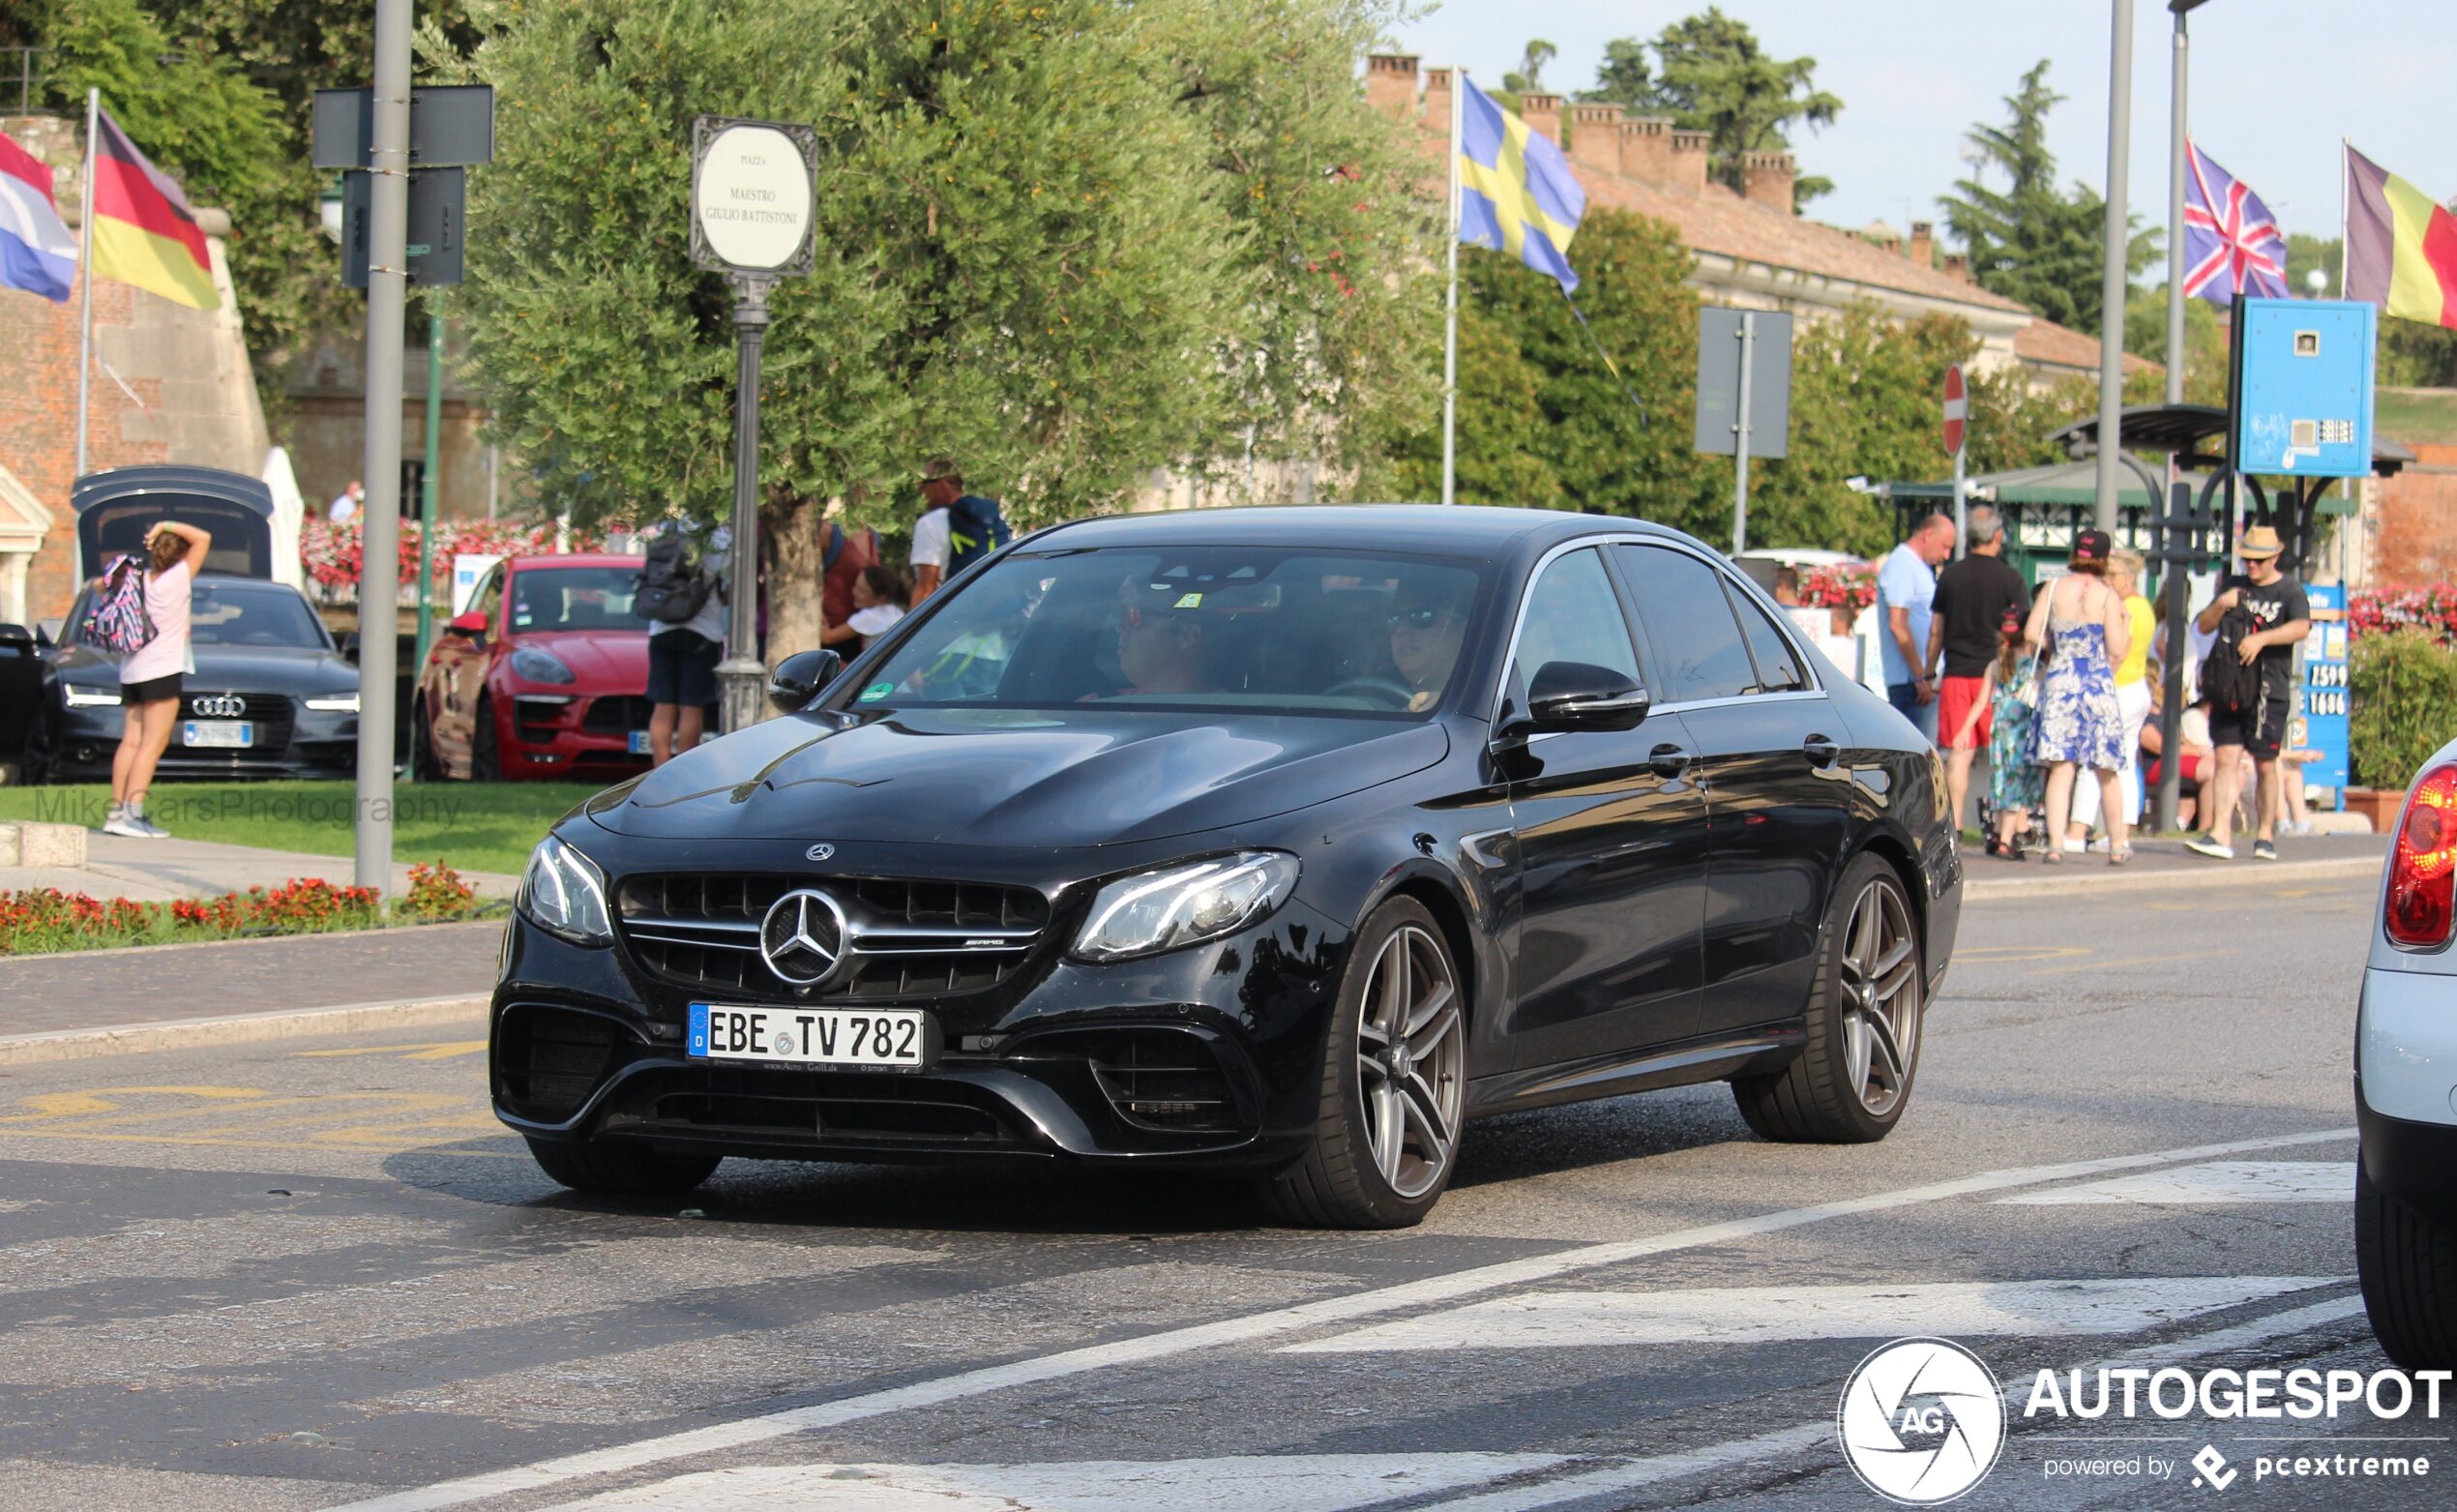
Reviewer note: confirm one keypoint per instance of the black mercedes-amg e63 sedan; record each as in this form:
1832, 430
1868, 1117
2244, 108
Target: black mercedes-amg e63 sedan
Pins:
1274, 840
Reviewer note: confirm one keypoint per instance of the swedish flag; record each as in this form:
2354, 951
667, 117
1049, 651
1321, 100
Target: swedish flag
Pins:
1516, 191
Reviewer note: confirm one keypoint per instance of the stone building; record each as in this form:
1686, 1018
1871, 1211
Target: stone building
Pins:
170, 384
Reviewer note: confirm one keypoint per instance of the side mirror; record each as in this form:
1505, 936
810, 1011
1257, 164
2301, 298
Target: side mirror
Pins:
473, 623
1581, 695
350, 647
799, 677
15, 636
46, 633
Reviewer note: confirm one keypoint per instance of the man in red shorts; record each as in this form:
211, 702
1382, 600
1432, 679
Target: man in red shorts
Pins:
1973, 597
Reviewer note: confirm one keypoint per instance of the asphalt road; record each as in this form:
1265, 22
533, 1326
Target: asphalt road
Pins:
313, 1274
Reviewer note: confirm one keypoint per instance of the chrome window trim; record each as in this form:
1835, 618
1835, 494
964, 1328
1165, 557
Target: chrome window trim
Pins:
1535, 575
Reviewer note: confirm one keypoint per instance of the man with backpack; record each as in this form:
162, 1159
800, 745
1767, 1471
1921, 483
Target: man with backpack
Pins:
682, 594
955, 530
2260, 616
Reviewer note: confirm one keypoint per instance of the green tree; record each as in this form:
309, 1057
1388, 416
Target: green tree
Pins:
2030, 241
1529, 76
2205, 342
1064, 241
1711, 75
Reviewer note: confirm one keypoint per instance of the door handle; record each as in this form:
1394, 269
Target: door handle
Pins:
1668, 760
1820, 751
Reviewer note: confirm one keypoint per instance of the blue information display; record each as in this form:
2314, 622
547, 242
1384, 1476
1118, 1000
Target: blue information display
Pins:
2306, 403
2321, 695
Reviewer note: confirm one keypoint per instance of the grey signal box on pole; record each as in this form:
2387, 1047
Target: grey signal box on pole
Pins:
450, 125
1745, 396
439, 202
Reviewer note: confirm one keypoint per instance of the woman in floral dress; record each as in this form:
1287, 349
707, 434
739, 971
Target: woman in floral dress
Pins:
2014, 784
2082, 624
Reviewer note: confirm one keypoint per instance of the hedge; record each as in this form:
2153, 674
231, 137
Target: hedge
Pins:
2405, 686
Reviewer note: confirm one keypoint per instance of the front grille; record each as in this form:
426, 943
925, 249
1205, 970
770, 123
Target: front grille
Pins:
549, 1060
841, 1108
906, 938
272, 713
618, 714
1162, 1079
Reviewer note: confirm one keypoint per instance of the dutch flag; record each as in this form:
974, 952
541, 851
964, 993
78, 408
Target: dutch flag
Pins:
37, 254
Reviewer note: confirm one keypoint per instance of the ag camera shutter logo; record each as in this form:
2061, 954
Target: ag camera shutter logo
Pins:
1921, 1421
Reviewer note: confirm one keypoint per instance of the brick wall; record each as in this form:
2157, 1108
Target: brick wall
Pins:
2417, 540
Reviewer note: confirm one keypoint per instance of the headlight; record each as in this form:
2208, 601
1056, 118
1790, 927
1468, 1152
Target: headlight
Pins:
89, 698
1178, 905
563, 893
539, 666
334, 703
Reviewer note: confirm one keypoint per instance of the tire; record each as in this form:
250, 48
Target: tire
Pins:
621, 1169
1349, 1178
1850, 1083
2408, 1264
42, 761
485, 753
424, 764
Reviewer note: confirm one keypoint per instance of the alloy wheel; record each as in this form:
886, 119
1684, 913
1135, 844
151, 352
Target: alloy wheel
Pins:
1411, 1053
1880, 998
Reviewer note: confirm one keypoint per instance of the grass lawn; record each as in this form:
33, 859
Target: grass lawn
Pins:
2416, 415
473, 826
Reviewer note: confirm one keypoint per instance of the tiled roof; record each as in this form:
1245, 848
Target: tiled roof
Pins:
2062, 347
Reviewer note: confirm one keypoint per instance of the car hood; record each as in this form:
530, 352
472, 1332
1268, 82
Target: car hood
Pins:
297, 670
602, 661
1014, 777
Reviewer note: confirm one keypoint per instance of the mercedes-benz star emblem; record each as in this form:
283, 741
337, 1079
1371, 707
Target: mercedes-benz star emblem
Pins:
802, 938
821, 851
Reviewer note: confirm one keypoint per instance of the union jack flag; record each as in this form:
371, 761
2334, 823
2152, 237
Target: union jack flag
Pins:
2231, 242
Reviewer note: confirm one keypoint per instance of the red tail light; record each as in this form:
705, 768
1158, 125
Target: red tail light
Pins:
2420, 879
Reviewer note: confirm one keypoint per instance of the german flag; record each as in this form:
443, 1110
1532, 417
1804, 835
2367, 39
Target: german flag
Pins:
144, 231
2401, 246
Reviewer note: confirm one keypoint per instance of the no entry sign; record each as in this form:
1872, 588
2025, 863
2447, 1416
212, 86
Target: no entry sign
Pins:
1956, 407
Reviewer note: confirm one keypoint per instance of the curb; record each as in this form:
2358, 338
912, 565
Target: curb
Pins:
123, 1039
121, 952
2093, 874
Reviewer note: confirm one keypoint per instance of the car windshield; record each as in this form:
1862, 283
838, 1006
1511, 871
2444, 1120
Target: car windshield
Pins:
224, 615
574, 598
1257, 629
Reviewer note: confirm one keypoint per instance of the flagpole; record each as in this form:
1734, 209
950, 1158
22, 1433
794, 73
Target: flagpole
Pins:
85, 280
2346, 175
1450, 325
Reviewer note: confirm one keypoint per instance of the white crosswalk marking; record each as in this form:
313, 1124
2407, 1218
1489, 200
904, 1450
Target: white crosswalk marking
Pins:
2216, 1183
1291, 1483
1753, 1314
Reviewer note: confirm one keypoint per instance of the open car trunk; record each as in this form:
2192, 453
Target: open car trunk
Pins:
114, 510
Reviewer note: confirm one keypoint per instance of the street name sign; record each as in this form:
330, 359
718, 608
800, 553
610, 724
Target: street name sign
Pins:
752, 191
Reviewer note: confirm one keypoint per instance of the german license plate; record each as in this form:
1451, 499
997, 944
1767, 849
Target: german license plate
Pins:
639, 742
898, 1037
219, 734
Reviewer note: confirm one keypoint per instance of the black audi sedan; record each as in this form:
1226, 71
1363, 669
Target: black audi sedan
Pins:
1281, 840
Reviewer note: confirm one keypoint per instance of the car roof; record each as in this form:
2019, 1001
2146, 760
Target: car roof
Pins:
1457, 529
572, 559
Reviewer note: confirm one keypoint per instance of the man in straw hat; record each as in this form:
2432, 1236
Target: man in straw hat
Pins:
2284, 617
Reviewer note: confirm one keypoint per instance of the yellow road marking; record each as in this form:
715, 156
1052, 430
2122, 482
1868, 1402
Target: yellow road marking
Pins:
2001, 955
435, 1050
253, 1145
97, 1100
2133, 961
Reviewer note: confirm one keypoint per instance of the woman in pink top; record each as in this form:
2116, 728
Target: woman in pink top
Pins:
149, 679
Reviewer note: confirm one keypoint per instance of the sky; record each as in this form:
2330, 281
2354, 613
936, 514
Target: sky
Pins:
2275, 84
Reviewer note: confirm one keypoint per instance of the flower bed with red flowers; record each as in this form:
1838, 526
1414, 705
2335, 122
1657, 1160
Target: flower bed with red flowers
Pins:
2431, 610
39, 919
333, 555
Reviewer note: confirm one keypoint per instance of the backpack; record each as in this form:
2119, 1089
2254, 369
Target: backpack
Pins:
672, 589
835, 546
2227, 681
117, 620
975, 527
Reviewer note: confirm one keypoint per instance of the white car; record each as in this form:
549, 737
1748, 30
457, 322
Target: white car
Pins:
2406, 1086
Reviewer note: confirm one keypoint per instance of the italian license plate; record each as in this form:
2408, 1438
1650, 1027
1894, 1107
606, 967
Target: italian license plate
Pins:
895, 1037
639, 742
219, 734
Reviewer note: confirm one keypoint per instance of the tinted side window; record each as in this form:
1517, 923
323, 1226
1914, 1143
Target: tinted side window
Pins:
1696, 642
1573, 615
1778, 668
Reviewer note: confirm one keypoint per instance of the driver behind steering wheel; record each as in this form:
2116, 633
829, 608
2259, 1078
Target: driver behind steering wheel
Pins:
1429, 622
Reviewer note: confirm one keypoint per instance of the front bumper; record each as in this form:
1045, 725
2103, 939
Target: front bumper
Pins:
588, 737
308, 743
1207, 1058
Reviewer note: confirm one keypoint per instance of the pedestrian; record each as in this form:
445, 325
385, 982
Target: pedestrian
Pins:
2295, 815
345, 504
683, 655
1907, 593
2014, 781
2132, 702
2192, 734
2254, 731
844, 555
1787, 587
879, 598
1973, 597
956, 529
151, 675
2082, 624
